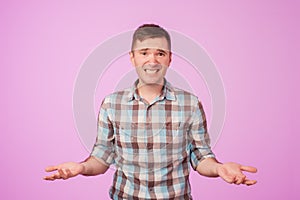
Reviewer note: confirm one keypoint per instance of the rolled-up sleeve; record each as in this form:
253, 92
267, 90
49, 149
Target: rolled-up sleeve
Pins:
104, 146
200, 141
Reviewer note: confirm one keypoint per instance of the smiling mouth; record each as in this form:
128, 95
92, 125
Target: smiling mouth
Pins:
151, 71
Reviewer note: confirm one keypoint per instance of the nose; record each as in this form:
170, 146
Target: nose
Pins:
152, 58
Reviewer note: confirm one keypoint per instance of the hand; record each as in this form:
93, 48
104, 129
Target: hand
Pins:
233, 173
64, 171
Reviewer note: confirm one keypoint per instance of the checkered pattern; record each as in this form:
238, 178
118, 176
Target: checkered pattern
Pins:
152, 145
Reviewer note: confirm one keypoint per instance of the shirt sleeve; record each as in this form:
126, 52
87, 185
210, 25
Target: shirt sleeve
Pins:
104, 146
200, 145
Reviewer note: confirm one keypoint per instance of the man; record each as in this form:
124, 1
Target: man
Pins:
152, 132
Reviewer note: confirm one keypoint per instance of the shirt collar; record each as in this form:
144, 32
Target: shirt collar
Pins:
167, 92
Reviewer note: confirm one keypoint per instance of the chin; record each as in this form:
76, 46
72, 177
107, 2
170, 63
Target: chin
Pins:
153, 82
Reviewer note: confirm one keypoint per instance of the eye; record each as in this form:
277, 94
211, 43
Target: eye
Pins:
161, 54
144, 53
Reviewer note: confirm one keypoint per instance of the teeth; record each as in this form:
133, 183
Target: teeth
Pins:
151, 71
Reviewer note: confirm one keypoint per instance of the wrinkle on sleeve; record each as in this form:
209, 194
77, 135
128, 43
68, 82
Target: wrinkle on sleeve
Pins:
104, 146
200, 145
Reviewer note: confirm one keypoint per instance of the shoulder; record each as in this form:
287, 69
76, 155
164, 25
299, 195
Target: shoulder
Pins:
185, 97
118, 96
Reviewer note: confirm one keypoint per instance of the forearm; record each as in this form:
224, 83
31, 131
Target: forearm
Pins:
208, 167
92, 167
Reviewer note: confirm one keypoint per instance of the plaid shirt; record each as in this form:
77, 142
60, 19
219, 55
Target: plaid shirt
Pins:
152, 145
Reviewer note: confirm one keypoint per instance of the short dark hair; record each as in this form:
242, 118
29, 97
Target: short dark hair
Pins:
146, 31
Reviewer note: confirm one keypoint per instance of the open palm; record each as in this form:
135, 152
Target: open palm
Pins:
233, 173
64, 170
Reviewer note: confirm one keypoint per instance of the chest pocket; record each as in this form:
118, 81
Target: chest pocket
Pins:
176, 137
134, 138
166, 147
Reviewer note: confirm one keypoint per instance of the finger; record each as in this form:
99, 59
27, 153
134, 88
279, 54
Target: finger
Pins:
249, 182
228, 179
57, 176
52, 177
68, 173
249, 169
51, 168
63, 174
49, 178
239, 179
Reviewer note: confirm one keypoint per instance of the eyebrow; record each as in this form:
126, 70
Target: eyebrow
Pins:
160, 50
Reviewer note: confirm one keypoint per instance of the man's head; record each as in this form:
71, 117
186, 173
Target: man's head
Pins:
151, 53
147, 31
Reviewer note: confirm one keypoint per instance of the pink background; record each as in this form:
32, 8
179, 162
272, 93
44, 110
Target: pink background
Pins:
255, 45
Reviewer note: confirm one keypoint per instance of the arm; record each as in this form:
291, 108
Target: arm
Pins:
100, 158
90, 167
229, 172
208, 167
202, 158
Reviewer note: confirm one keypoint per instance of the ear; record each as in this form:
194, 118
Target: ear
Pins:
131, 55
170, 58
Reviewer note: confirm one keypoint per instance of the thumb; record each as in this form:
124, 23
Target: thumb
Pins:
51, 168
249, 169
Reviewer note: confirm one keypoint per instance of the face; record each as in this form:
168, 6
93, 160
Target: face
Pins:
151, 59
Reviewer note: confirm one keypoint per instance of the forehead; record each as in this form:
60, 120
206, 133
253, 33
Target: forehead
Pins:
152, 43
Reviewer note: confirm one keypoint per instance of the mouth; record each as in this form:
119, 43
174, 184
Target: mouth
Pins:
152, 68
151, 71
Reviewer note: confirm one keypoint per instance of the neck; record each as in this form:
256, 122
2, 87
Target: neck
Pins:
149, 91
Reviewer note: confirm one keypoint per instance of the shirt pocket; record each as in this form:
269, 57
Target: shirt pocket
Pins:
176, 137
126, 135
172, 145
130, 148
170, 138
